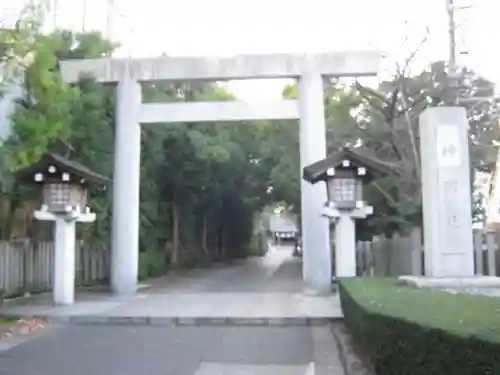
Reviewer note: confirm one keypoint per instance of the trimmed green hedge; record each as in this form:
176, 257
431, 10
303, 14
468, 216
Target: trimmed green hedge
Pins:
408, 331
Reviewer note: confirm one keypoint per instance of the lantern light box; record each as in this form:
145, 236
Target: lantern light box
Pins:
64, 183
345, 173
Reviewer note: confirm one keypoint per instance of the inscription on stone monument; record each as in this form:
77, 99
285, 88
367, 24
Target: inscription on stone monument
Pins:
452, 220
448, 143
450, 190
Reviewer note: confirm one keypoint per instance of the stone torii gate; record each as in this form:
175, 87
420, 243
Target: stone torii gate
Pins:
310, 70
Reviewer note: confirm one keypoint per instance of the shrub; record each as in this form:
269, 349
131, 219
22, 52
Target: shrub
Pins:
152, 264
409, 331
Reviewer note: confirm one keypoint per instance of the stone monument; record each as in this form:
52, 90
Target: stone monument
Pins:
447, 211
446, 192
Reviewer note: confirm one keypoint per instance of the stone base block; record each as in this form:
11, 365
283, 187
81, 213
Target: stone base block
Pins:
451, 282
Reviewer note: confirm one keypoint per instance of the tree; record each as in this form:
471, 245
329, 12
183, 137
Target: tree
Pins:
202, 184
18, 43
280, 142
387, 127
54, 116
383, 122
19, 46
199, 188
44, 115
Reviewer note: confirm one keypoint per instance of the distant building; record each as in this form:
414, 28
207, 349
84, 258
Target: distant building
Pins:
282, 228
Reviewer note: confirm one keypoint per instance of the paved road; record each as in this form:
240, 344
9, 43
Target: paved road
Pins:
268, 288
191, 350
277, 272
147, 350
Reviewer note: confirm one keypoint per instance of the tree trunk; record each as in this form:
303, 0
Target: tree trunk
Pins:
222, 243
174, 260
204, 235
6, 215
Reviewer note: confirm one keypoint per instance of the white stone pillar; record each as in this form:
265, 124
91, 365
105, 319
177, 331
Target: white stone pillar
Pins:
446, 192
64, 262
126, 180
345, 245
317, 264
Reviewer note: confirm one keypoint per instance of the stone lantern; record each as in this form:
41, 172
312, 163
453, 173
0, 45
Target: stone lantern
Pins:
345, 174
64, 188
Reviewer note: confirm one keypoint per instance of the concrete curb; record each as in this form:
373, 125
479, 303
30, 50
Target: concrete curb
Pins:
351, 363
188, 321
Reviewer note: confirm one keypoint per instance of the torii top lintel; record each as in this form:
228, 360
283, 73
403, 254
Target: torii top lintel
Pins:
165, 68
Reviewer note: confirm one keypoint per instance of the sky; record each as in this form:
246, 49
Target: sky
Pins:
228, 27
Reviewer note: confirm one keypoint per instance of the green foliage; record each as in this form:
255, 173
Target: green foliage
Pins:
200, 188
44, 115
70, 120
152, 264
17, 51
384, 123
280, 154
17, 43
410, 331
199, 173
280, 161
203, 183
51, 110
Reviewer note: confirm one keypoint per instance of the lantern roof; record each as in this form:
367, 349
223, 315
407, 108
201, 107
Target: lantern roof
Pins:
63, 165
375, 168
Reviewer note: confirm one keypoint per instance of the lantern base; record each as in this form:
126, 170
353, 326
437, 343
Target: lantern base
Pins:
357, 213
78, 216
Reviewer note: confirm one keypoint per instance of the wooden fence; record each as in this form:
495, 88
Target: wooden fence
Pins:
404, 255
26, 267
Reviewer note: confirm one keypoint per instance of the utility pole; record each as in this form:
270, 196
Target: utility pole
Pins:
452, 27
493, 200
454, 70
453, 96
110, 17
55, 7
84, 16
